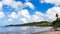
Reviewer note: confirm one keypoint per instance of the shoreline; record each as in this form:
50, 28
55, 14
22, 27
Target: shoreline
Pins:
29, 31
49, 32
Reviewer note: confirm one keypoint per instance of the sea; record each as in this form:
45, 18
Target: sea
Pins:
23, 29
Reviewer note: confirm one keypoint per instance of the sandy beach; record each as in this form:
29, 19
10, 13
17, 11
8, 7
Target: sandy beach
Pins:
49, 32
46, 32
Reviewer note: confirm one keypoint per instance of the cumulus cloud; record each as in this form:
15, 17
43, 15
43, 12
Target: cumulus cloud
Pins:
51, 13
38, 13
23, 16
1, 5
23, 20
13, 3
24, 13
38, 16
1, 14
29, 4
13, 15
17, 5
56, 2
7, 2
10, 19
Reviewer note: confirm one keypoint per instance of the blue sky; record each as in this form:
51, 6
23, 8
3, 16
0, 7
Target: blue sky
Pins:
25, 11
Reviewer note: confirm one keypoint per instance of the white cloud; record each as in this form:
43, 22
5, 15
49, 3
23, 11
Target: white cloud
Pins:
23, 20
38, 13
1, 14
1, 5
51, 13
13, 15
29, 4
41, 1
24, 13
10, 19
38, 16
7, 2
56, 2
17, 5
23, 16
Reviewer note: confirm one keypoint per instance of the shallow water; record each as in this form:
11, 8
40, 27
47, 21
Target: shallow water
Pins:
24, 29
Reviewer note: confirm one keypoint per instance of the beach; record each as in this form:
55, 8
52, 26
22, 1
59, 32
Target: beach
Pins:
29, 30
46, 32
49, 32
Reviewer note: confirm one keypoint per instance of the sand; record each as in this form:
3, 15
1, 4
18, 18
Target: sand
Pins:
49, 32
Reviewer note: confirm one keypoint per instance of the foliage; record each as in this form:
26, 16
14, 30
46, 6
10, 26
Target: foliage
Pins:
42, 23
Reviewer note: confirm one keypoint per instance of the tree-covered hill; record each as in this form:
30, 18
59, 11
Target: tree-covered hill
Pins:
42, 23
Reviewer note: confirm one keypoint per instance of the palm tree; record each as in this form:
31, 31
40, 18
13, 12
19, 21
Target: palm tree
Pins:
55, 23
57, 16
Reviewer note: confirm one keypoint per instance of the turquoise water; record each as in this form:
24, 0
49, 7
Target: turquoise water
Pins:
24, 29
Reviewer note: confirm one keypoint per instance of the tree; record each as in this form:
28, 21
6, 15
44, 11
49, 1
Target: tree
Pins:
57, 16
55, 23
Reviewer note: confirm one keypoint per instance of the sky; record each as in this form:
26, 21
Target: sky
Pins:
27, 11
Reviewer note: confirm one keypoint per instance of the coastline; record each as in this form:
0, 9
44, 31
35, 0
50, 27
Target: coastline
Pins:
29, 30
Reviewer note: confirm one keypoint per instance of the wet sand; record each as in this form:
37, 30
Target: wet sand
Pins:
49, 32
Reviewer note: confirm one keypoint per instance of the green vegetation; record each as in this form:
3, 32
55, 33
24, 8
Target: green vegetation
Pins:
42, 23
